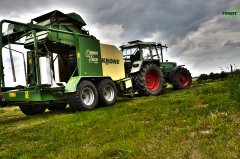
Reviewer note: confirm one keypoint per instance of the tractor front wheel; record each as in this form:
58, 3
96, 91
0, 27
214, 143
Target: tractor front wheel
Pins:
107, 92
149, 81
85, 98
32, 109
181, 78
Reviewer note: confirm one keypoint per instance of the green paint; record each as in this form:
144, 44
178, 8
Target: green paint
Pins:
36, 58
31, 70
1, 61
72, 84
90, 62
34, 95
234, 10
167, 66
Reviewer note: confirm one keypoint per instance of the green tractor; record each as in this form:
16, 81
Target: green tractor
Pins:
145, 65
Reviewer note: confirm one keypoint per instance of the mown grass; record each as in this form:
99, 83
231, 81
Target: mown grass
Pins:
201, 122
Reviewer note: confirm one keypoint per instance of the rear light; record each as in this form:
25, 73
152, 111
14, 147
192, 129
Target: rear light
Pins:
1, 97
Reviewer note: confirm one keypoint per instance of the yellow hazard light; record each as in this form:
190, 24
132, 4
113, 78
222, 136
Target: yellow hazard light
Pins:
78, 55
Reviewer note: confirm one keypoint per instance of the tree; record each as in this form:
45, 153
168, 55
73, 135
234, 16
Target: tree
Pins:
223, 74
202, 77
211, 76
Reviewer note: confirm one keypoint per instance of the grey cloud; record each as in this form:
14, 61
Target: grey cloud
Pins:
231, 44
194, 30
139, 18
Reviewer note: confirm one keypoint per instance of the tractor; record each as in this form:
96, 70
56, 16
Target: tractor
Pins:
86, 68
144, 63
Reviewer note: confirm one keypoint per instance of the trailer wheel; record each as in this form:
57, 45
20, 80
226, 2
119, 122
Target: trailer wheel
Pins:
55, 107
32, 109
149, 81
181, 78
85, 98
107, 92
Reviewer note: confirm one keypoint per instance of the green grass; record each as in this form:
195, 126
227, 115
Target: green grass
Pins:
201, 122
234, 86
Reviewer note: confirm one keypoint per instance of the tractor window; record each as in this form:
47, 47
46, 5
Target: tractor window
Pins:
127, 52
146, 53
154, 53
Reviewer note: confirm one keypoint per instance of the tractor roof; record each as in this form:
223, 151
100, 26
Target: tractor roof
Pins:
137, 43
61, 17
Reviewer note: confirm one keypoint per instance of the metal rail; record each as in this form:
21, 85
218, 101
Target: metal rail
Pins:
24, 63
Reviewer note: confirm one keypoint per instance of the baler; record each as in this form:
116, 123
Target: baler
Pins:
91, 74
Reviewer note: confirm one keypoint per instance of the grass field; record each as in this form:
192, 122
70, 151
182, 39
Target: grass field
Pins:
201, 122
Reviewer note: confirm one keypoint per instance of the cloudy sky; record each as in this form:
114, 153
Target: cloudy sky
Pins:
196, 32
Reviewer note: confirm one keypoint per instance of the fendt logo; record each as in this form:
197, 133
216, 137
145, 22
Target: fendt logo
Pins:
230, 13
110, 61
92, 56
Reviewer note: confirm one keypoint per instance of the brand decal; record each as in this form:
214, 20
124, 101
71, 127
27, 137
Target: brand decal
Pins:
230, 13
110, 61
92, 56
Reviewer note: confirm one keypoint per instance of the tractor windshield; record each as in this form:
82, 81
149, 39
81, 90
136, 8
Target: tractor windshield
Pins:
127, 52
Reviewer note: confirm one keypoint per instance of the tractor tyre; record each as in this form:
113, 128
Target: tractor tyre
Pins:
181, 78
32, 109
85, 97
107, 92
149, 81
56, 107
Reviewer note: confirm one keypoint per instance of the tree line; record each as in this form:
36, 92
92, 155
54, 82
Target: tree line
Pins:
213, 76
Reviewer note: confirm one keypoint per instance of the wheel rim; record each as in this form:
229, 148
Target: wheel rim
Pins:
184, 78
108, 93
152, 80
87, 96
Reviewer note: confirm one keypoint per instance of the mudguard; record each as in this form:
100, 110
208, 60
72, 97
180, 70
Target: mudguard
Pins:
176, 68
72, 84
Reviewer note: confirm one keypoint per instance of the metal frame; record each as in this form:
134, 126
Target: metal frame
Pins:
34, 28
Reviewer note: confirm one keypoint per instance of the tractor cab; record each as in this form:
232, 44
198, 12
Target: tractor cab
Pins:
137, 52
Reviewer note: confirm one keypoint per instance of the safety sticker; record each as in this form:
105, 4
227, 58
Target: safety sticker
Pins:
26, 94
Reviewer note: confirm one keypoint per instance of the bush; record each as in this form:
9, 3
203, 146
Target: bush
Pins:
213, 76
202, 77
234, 86
224, 74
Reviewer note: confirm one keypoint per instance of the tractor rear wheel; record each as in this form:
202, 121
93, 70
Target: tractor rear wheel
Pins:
56, 107
85, 97
107, 92
181, 78
149, 81
32, 109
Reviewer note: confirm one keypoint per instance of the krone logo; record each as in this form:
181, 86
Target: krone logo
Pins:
110, 61
92, 56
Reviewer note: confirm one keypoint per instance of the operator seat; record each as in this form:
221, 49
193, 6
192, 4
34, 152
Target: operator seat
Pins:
135, 57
